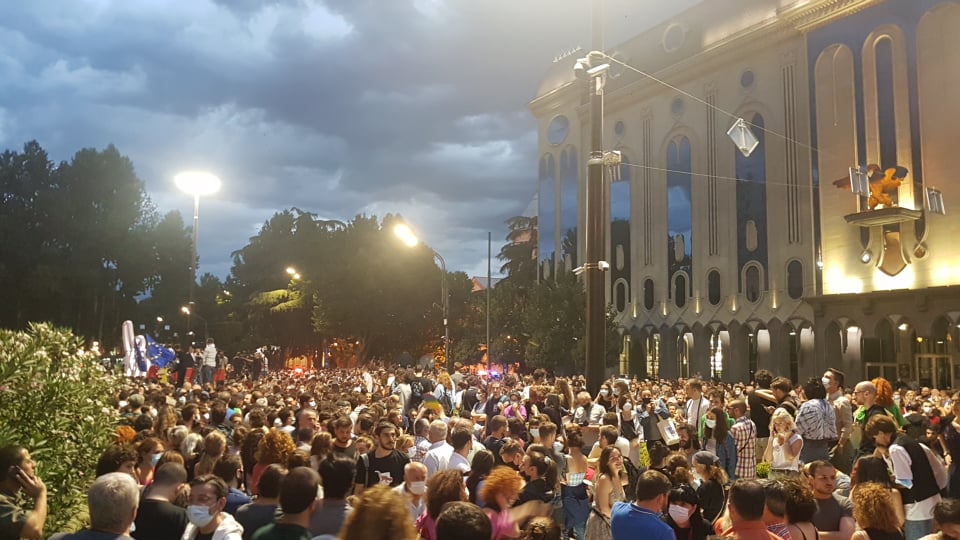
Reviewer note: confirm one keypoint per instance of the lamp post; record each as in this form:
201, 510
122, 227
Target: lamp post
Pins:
407, 236
189, 312
196, 183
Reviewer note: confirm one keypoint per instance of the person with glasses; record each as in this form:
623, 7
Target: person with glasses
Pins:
865, 393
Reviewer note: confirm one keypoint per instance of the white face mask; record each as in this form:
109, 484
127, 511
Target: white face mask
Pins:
826, 382
313, 404
277, 422
557, 446
711, 423
417, 488
199, 515
412, 452
627, 406
679, 513
927, 410
534, 432
604, 392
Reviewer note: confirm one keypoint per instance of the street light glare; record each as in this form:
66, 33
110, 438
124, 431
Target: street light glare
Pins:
291, 270
296, 276
185, 310
406, 235
197, 182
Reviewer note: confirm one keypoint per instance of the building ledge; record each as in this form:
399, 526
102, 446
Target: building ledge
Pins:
883, 216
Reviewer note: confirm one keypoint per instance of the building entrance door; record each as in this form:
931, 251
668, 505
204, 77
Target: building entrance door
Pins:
937, 370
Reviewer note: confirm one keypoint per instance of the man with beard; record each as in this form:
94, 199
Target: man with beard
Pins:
866, 395
384, 465
650, 413
343, 445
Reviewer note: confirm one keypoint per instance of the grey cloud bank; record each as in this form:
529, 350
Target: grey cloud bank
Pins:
415, 107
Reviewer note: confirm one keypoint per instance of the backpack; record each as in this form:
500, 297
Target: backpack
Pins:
416, 391
633, 474
446, 402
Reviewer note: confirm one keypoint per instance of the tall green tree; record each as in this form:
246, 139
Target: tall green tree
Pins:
519, 253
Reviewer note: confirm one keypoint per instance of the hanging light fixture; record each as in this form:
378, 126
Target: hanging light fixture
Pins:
859, 181
741, 136
935, 201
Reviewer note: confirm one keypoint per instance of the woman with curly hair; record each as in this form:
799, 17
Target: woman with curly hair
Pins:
872, 469
443, 487
541, 528
500, 490
800, 507
874, 513
784, 447
214, 447
275, 447
379, 513
885, 400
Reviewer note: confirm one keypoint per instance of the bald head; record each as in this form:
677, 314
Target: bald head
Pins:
414, 472
865, 393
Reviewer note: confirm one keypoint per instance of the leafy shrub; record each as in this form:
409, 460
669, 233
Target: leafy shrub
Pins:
54, 400
763, 469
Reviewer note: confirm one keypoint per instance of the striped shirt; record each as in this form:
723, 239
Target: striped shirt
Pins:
816, 421
744, 433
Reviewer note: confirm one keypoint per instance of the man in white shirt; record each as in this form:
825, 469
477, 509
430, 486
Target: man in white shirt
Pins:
438, 456
915, 468
414, 488
588, 416
697, 405
462, 439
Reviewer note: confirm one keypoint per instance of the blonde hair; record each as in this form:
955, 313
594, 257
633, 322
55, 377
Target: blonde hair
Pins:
214, 444
782, 415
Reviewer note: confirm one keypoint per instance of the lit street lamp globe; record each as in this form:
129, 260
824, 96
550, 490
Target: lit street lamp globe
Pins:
197, 182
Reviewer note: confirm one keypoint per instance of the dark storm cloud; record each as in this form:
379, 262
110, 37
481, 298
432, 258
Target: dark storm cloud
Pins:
343, 107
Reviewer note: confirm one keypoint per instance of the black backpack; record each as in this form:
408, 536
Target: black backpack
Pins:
633, 474
446, 402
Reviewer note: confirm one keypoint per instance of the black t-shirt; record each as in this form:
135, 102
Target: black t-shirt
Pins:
867, 446
349, 452
494, 445
468, 402
392, 464
535, 491
159, 520
759, 414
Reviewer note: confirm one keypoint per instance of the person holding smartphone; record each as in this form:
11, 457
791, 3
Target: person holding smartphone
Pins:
19, 473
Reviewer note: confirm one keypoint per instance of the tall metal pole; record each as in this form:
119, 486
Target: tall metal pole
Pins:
489, 286
446, 308
595, 244
195, 261
593, 275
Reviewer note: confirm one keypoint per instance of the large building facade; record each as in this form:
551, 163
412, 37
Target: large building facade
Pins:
723, 263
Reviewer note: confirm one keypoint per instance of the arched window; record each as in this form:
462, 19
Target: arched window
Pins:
713, 287
679, 207
795, 279
569, 206
620, 230
751, 283
648, 294
620, 295
680, 290
548, 215
751, 193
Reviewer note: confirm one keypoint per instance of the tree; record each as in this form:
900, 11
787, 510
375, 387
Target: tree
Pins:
519, 254
80, 241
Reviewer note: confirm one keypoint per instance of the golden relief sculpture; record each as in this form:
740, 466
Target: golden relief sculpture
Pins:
882, 183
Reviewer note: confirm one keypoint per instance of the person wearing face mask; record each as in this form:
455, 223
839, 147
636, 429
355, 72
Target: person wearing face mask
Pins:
630, 426
683, 514
149, 451
414, 488
641, 518
605, 398
208, 521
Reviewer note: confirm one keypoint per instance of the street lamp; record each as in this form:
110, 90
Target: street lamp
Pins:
196, 183
409, 238
189, 312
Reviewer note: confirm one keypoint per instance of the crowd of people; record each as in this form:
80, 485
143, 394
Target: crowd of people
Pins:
398, 453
